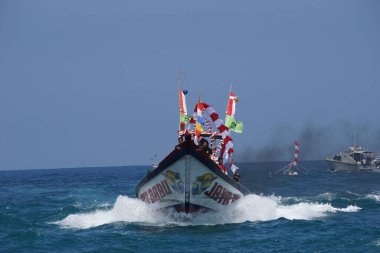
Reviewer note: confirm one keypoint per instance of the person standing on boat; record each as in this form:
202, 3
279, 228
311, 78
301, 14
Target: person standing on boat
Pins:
180, 141
200, 143
206, 148
221, 166
237, 176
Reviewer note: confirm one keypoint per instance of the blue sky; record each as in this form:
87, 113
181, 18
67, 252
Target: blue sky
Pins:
93, 83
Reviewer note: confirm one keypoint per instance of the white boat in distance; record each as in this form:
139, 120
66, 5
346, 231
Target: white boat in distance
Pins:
356, 158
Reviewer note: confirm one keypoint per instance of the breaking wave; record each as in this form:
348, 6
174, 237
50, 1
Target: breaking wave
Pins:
251, 208
373, 196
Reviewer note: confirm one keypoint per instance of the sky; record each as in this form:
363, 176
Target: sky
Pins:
93, 83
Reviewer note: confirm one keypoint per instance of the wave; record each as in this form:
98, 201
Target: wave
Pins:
251, 208
347, 196
373, 196
327, 196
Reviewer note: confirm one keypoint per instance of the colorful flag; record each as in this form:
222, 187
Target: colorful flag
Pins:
234, 125
231, 123
184, 119
198, 123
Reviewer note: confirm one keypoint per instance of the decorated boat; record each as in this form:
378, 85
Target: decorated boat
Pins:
293, 168
193, 177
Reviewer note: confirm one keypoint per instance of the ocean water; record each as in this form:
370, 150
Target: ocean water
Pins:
95, 210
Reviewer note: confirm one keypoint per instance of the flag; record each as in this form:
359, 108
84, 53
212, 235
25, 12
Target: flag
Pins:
231, 123
198, 123
234, 168
234, 125
199, 114
183, 118
227, 146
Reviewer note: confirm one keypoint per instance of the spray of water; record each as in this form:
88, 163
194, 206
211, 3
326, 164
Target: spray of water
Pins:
252, 208
374, 196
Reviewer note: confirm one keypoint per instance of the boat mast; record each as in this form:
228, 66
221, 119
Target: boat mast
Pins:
179, 75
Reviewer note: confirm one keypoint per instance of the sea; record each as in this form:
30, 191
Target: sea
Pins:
96, 210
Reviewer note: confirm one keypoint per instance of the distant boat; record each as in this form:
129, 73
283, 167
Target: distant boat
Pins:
189, 179
356, 158
292, 169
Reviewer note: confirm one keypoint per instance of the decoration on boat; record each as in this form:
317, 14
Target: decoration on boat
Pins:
227, 144
175, 181
202, 183
231, 123
184, 119
221, 195
156, 192
199, 121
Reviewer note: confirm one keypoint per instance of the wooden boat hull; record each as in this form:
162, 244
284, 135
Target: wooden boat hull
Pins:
189, 181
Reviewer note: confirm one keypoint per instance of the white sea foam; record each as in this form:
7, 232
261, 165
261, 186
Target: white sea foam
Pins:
373, 196
353, 193
327, 196
251, 208
125, 209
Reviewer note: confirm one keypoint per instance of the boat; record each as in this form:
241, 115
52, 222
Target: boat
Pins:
356, 158
291, 169
189, 179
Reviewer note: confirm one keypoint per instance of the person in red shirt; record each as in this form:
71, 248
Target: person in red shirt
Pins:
221, 166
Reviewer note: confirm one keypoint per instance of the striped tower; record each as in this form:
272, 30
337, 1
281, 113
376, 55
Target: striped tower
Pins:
296, 151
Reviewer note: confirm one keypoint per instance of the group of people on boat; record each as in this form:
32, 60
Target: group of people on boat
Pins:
203, 145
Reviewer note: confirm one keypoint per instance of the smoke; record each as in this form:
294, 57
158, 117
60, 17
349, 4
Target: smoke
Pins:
316, 142
275, 148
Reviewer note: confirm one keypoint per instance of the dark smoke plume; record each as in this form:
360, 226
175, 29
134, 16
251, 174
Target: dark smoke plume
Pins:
316, 142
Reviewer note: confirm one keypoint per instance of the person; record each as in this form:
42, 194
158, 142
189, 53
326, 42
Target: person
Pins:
206, 148
180, 141
221, 166
200, 144
237, 176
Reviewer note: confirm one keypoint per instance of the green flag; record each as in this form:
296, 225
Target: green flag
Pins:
184, 118
234, 125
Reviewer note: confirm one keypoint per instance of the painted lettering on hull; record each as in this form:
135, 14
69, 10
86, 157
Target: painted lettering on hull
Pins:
221, 195
157, 192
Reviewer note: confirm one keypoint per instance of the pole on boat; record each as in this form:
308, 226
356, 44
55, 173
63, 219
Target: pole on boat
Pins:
179, 75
